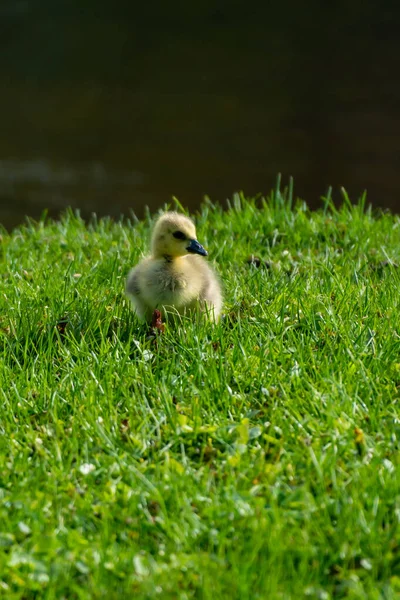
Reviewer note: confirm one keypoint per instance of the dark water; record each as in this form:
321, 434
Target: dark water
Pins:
111, 106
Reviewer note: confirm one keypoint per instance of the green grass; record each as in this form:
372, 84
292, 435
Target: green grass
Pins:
258, 459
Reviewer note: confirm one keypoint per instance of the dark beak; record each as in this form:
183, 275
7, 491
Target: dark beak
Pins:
196, 248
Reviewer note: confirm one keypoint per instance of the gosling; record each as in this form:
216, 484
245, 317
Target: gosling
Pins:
175, 278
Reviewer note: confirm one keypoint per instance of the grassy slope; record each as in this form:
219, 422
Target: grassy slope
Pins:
257, 459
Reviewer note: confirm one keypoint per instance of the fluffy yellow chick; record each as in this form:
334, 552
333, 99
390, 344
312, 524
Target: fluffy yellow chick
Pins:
175, 278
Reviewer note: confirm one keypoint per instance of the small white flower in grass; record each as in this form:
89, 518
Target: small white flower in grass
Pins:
388, 465
140, 565
86, 468
366, 564
24, 528
147, 355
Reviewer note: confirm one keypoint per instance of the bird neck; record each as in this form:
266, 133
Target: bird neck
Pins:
170, 260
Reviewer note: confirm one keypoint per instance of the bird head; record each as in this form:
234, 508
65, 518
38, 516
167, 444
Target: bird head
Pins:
175, 235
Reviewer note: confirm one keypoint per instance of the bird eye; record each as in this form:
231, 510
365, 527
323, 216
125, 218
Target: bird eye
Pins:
179, 235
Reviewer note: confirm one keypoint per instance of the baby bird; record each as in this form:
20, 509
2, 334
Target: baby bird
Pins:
175, 278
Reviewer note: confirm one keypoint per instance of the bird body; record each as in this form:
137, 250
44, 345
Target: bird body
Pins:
174, 278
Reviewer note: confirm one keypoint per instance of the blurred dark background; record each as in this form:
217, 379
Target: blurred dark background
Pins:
109, 106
